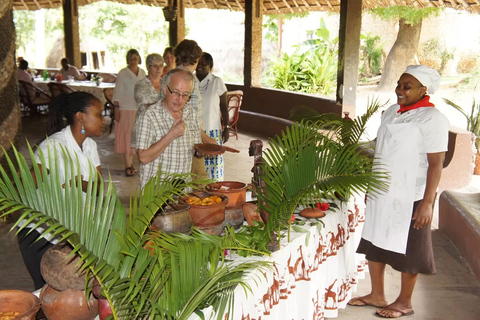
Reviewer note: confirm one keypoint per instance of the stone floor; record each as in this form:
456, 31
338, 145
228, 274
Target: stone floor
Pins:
452, 294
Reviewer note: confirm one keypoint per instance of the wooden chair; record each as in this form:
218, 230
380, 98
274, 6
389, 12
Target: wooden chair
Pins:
234, 102
109, 107
32, 97
56, 88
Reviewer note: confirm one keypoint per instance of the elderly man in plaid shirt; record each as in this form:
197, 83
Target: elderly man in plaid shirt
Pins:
167, 130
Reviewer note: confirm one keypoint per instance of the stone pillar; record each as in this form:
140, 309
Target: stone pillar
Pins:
9, 104
72, 33
253, 43
177, 26
348, 54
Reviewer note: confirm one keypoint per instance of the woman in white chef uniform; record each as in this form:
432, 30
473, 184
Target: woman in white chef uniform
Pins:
411, 144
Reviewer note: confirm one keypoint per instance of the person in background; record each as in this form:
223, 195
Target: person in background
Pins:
215, 111
411, 145
147, 90
84, 115
166, 131
187, 53
22, 71
169, 59
69, 71
126, 108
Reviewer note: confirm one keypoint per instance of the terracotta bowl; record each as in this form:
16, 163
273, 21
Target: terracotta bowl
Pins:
234, 190
312, 213
23, 302
237, 194
210, 219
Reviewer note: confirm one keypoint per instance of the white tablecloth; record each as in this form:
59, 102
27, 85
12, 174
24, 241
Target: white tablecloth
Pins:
87, 86
309, 281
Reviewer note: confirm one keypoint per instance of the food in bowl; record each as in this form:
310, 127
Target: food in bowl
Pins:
204, 201
8, 315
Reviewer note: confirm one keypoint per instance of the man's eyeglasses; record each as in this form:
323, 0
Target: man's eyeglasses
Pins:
184, 96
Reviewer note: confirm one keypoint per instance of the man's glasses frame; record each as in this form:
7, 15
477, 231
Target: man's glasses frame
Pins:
184, 96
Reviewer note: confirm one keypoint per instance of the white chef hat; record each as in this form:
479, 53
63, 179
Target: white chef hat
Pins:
427, 76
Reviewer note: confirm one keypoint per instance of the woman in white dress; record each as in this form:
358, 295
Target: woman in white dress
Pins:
84, 114
126, 108
411, 144
215, 112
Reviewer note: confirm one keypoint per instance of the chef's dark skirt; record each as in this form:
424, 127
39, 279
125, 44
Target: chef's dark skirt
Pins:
418, 258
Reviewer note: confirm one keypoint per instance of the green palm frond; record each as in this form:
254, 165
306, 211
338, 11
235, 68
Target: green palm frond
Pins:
346, 131
303, 166
138, 282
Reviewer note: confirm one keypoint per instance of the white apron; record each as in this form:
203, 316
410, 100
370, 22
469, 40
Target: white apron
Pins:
388, 215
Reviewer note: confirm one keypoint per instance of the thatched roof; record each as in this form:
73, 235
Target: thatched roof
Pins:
269, 6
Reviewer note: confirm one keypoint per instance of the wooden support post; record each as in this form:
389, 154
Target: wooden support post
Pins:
177, 27
253, 43
348, 54
72, 34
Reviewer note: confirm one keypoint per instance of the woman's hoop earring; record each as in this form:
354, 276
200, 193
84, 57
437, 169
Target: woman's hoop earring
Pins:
83, 130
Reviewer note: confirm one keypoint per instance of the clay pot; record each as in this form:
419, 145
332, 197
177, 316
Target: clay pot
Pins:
23, 302
104, 309
175, 219
250, 213
237, 194
68, 304
60, 271
210, 219
312, 213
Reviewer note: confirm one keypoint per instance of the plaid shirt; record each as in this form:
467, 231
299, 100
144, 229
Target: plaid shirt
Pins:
151, 126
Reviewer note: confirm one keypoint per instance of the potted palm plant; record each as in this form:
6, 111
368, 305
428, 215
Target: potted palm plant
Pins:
318, 157
142, 274
473, 125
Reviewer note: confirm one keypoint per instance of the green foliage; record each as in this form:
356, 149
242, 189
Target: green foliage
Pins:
270, 24
311, 68
24, 21
122, 27
170, 277
473, 119
314, 161
431, 49
411, 15
371, 54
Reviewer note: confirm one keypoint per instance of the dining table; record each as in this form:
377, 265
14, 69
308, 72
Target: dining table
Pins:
312, 276
87, 86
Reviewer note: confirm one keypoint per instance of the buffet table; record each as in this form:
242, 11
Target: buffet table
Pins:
312, 276
87, 86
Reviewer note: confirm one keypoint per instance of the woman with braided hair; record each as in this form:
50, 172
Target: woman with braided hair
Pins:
84, 116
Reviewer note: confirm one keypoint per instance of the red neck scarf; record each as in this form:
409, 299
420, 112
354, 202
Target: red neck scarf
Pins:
424, 102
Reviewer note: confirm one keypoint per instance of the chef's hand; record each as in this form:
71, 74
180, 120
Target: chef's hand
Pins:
423, 215
197, 151
225, 135
178, 128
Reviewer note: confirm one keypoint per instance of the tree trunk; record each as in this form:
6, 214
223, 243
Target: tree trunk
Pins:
401, 55
9, 105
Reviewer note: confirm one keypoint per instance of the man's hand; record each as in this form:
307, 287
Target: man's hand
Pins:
178, 128
423, 215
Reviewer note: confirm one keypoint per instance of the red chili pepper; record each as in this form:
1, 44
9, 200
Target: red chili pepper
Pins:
293, 217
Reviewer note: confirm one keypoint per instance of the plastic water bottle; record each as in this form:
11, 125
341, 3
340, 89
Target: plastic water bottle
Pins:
45, 75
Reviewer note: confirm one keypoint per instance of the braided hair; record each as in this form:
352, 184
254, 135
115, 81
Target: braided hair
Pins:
66, 105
